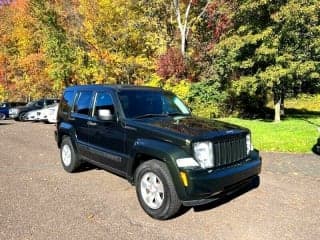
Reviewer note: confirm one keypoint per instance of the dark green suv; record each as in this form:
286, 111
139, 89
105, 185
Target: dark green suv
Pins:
149, 136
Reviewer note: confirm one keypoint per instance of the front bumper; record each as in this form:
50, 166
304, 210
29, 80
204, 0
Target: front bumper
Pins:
205, 185
13, 115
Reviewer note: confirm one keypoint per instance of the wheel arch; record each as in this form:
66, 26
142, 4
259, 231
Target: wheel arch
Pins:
149, 149
66, 130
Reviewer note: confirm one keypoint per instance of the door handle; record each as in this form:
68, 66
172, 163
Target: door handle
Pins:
90, 123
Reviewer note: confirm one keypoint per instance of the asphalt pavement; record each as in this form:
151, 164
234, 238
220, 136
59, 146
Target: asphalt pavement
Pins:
39, 200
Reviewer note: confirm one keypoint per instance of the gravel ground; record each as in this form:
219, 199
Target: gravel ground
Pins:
39, 200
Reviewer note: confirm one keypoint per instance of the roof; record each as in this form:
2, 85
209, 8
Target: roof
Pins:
113, 87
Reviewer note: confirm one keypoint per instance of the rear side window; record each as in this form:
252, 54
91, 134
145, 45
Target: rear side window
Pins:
82, 105
51, 101
67, 101
40, 103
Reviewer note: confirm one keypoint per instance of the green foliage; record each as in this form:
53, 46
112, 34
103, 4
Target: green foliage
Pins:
274, 46
208, 99
180, 88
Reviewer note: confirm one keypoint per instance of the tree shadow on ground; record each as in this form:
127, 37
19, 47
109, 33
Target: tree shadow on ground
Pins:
267, 115
85, 166
5, 123
302, 113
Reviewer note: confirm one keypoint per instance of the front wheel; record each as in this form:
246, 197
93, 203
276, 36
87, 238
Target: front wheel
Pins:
69, 157
22, 116
155, 190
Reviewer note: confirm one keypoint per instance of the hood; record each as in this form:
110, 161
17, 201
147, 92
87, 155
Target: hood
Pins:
22, 108
190, 127
26, 108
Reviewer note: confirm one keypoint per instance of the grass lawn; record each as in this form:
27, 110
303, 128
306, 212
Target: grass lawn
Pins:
294, 134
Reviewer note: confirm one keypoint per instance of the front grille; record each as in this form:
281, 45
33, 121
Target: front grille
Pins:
230, 150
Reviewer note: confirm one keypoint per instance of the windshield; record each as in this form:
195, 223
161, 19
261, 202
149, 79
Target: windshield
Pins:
3, 105
143, 103
29, 104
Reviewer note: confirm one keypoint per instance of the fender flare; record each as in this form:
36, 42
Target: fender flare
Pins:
163, 151
66, 129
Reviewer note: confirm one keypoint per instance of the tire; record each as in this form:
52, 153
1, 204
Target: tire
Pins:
2, 116
69, 158
155, 190
21, 116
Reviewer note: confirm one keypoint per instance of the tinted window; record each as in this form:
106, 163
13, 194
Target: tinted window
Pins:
67, 101
51, 101
40, 103
103, 101
137, 103
82, 106
3, 105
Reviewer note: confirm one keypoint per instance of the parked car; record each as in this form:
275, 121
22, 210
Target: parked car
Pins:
149, 136
32, 115
2, 116
18, 113
46, 114
52, 113
5, 106
316, 147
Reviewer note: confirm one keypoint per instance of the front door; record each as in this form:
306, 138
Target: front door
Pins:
107, 138
80, 117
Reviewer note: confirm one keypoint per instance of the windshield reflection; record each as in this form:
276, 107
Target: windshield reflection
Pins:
146, 103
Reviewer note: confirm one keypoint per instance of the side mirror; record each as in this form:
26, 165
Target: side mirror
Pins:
105, 115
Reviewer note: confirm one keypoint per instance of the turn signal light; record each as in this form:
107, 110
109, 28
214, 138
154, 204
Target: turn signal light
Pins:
184, 178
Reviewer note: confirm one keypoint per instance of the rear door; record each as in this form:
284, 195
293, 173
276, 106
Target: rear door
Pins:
81, 117
107, 138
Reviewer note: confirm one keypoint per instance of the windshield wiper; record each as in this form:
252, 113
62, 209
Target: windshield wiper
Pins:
162, 115
178, 114
151, 115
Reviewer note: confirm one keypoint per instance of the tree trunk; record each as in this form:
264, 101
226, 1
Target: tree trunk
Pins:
277, 108
282, 113
183, 43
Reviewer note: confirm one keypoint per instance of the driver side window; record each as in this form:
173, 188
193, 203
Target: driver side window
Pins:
103, 101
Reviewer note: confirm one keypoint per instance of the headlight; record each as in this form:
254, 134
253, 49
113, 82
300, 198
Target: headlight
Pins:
13, 111
203, 154
249, 144
187, 162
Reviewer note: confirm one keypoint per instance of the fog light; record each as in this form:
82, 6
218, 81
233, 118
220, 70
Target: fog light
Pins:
184, 178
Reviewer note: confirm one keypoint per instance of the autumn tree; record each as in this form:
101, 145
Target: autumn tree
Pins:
22, 64
120, 40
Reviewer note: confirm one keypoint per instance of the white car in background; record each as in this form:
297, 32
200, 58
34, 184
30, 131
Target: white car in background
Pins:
47, 114
52, 113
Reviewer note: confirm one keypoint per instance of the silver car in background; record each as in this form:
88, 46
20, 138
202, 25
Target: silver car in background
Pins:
46, 114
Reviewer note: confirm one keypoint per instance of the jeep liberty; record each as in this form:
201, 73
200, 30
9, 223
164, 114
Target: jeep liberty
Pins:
149, 136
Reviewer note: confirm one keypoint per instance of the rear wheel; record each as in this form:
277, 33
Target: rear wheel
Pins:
155, 190
69, 158
2, 116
